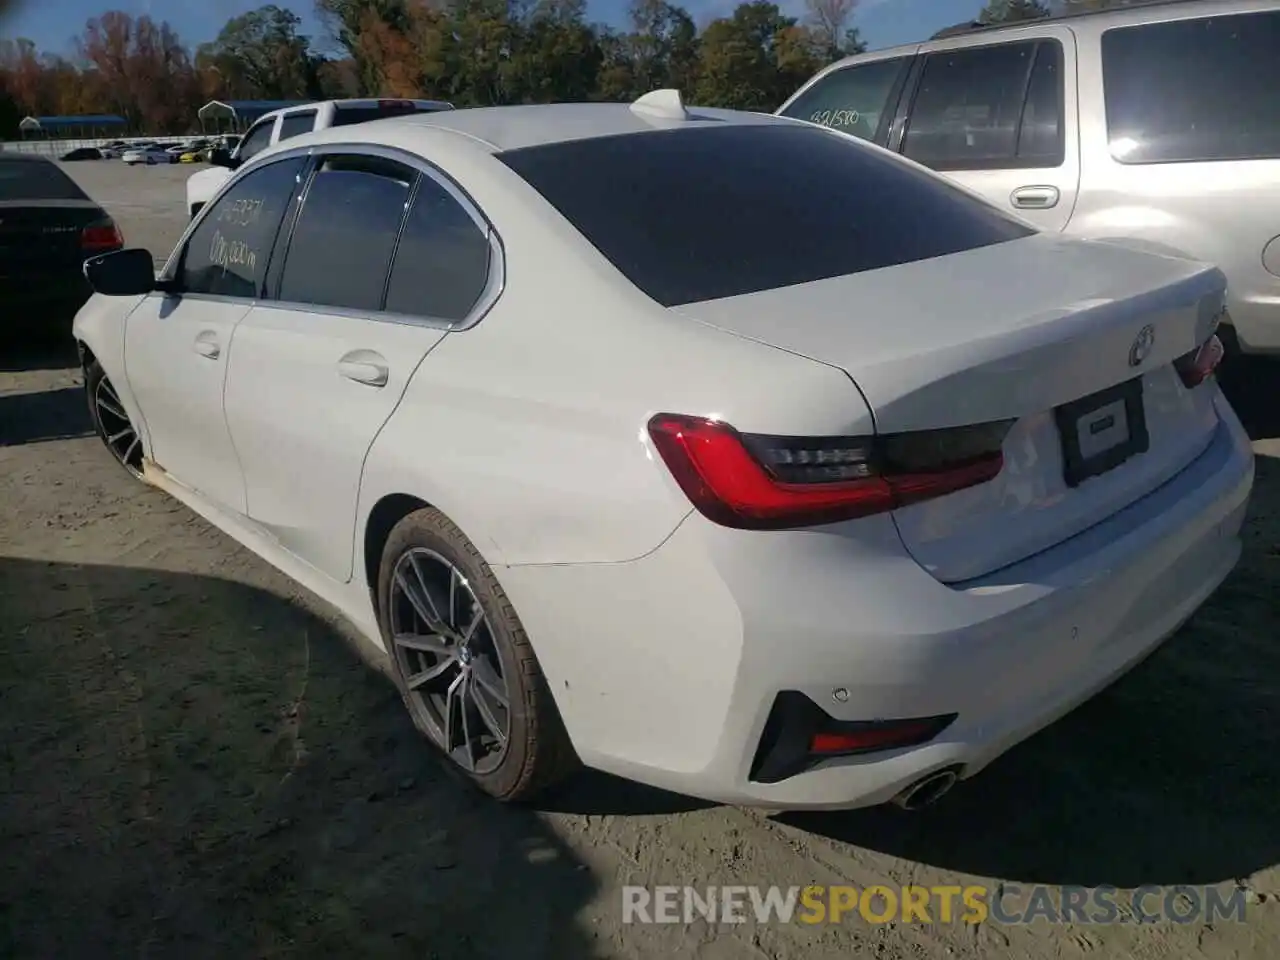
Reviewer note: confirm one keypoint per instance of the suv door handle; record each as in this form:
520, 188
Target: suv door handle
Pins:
1035, 198
207, 345
364, 366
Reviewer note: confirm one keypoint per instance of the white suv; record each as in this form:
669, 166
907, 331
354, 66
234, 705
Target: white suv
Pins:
288, 122
1153, 124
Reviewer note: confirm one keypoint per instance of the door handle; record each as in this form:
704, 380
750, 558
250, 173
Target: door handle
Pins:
207, 345
1035, 198
364, 366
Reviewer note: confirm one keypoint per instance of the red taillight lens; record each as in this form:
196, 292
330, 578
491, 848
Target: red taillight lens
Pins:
881, 735
1198, 365
101, 236
756, 482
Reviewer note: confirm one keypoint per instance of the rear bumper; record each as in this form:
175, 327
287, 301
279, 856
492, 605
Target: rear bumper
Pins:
666, 668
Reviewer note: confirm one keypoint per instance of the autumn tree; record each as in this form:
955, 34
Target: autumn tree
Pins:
754, 59
260, 55
1011, 11
828, 20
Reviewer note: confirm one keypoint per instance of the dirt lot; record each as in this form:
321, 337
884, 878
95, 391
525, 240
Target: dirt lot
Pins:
196, 763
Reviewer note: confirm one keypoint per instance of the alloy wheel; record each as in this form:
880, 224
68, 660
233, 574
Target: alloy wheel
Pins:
117, 431
451, 667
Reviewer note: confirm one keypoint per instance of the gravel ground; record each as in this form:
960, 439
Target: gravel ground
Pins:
198, 761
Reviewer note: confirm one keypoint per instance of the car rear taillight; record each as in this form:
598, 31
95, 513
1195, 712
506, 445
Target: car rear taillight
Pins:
1198, 365
799, 735
101, 236
759, 482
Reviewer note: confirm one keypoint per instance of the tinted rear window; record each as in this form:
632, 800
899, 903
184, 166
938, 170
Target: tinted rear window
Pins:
720, 211
36, 180
344, 116
1202, 89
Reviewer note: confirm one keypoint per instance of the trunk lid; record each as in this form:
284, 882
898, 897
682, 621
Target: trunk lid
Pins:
40, 237
1013, 331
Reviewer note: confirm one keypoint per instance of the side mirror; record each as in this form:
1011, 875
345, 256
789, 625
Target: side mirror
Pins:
124, 273
222, 157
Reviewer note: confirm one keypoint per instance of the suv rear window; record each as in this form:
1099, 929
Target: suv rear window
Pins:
36, 180
345, 116
724, 210
1202, 89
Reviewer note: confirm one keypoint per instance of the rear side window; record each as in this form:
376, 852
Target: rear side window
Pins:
293, 124
852, 100
1203, 89
345, 234
967, 112
228, 250
442, 263
36, 180
256, 140
729, 209
344, 116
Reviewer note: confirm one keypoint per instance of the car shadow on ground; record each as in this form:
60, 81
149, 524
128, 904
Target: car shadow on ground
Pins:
53, 352
1170, 776
46, 415
193, 766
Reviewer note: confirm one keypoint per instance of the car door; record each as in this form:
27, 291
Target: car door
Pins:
177, 343
858, 99
1001, 120
369, 284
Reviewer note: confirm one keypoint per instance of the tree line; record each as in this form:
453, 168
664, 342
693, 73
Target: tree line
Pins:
470, 52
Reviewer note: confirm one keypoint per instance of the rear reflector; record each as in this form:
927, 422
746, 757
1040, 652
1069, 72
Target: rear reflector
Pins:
1198, 365
101, 236
799, 734
759, 482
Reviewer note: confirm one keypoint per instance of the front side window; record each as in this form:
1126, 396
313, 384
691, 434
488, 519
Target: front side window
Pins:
442, 263
226, 254
851, 100
256, 140
345, 234
966, 109
1203, 89
293, 124
722, 210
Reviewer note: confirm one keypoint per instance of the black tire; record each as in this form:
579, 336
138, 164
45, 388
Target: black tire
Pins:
110, 419
536, 753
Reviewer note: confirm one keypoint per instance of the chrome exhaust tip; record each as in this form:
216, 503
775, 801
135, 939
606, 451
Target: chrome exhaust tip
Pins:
926, 791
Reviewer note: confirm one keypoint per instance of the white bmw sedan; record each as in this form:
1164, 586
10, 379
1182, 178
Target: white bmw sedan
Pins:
712, 449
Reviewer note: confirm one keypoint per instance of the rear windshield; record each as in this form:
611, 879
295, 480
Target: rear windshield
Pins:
36, 180
719, 211
344, 116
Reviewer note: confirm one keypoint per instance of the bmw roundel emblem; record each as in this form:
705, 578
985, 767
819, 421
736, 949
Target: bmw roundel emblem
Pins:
1142, 345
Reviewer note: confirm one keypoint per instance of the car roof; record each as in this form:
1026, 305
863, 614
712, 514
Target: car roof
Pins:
515, 127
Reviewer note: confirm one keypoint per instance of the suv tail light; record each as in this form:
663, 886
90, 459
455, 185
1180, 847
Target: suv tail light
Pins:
759, 482
101, 236
1198, 365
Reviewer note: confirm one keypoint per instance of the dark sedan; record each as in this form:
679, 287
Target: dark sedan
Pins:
48, 228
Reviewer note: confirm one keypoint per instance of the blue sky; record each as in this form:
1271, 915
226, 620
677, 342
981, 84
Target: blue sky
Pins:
51, 23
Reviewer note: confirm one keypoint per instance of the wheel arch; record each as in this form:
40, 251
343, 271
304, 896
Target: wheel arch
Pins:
389, 510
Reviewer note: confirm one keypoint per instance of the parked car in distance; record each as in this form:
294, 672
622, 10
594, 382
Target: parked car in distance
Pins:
1056, 120
81, 153
626, 449
288, 122
48, 228
150, 155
